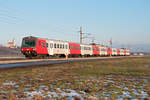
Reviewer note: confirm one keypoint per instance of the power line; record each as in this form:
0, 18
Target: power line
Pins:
6, 15
6, 22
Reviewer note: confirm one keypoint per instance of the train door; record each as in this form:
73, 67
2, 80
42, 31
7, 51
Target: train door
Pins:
82, 49
67, 51
51, 48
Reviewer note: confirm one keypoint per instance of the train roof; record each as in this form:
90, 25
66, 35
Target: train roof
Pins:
56, 40
74, 42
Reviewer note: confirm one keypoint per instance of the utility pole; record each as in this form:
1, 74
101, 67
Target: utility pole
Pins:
81, 35
110, 42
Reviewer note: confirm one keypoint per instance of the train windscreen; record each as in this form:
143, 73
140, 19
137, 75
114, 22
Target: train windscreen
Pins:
28, 43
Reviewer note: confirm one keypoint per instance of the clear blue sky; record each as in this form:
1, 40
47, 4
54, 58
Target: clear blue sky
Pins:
127, 22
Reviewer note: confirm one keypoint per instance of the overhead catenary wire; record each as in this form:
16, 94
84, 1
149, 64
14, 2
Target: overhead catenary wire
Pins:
8, 15
7, 22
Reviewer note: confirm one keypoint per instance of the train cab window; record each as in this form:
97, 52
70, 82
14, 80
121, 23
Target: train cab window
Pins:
39, 43
51, 45
43, 44
47, 45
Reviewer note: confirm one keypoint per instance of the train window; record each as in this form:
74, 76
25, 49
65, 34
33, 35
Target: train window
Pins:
51, 45
63, 46
60, 45
43, 44
55, 45
69, 46
47, 45
39, 43
78, 47
66, 47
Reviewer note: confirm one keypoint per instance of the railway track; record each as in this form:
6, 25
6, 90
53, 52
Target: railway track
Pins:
36, 62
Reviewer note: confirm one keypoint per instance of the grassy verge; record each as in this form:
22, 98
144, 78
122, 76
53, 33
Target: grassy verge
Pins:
118, 78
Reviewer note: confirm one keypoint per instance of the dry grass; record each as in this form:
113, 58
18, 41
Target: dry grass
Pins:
59, 73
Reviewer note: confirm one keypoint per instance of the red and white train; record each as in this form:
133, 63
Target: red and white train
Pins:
39, 47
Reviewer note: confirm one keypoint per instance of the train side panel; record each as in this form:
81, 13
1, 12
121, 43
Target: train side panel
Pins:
96, 50
103, 51
118, 52
60, 48
121, 52
109, 53
128, 52
114, 52
74, 49
125, 52
41, 47
86, 50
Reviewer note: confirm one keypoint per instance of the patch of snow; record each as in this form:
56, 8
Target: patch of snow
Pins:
60, 93
9, 83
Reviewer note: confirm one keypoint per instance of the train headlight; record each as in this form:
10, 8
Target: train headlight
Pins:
34, 49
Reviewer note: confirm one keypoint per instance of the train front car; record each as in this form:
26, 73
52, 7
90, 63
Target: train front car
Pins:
28, 47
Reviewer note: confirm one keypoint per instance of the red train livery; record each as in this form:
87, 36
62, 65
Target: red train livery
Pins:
39, 47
